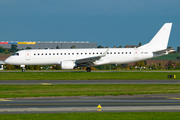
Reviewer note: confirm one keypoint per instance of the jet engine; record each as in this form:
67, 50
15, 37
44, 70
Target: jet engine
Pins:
67, 65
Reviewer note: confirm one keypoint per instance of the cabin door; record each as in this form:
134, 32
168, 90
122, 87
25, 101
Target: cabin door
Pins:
136, 53
28, 54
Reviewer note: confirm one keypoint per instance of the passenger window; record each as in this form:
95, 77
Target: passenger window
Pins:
129, 52
118, 52
72, 53
85, 53
114, 52
107, 52
34, 53
45, 53
81, 53
122, 52
89, 53
64, 53
68, 53
110, 52
57, 53
42, 54
93, 53
97, 53
100, 52
53, 53
126, 52
38, 53
61, 53
49, 53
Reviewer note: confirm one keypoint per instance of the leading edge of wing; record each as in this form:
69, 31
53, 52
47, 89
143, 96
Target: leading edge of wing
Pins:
90, 60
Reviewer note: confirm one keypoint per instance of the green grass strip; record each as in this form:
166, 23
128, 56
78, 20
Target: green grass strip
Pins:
95, 116
12, 91
87, 76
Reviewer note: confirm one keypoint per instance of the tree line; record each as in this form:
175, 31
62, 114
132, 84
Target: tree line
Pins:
120, 46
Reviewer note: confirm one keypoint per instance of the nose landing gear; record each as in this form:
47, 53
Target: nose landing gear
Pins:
23, 68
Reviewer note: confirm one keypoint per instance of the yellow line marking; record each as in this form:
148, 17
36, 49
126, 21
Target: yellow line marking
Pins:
5, 100
175, 98
46, 83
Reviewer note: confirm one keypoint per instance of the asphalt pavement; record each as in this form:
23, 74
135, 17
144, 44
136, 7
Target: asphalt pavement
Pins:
135, 103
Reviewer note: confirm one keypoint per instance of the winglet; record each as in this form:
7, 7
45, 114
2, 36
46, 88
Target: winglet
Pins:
105, 53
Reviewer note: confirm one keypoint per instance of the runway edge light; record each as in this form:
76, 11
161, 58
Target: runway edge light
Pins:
99, 107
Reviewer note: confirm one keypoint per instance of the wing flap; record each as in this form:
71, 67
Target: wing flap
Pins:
90, 60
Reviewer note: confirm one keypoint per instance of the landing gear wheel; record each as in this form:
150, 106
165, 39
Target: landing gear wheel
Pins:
88, 69
23, 69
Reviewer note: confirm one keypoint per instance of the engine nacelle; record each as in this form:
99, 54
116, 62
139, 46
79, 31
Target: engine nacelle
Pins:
67, 65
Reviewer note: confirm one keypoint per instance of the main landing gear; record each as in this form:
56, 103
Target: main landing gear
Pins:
88, 69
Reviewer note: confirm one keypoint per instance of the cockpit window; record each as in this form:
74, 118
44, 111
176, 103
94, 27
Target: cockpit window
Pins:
16, 54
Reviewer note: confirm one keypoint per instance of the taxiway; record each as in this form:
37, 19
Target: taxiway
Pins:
135, 103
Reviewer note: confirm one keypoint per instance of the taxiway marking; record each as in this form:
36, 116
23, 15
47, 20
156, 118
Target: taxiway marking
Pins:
5, 100
46, 83
175, 98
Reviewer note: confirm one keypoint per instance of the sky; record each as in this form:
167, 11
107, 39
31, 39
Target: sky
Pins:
106, 22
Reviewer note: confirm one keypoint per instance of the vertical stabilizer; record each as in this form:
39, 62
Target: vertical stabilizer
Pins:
160, 40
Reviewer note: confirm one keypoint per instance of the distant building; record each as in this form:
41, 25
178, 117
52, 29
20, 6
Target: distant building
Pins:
178, 49
50, 45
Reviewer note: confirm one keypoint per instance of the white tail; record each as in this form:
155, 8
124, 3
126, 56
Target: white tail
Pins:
160, 40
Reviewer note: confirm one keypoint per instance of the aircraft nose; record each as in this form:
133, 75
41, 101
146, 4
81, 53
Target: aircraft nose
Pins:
7, 60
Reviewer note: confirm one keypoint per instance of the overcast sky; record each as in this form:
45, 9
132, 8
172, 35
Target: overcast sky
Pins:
107, 22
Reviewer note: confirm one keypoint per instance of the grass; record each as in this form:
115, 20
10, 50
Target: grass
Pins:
87, 76
95, 116
13, 91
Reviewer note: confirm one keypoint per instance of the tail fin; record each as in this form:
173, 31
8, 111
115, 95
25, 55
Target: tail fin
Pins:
160, 40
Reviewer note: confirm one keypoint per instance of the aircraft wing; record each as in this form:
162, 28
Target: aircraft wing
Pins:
89, 61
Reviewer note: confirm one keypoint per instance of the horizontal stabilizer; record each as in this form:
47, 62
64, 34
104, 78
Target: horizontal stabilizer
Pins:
166, 50
163, 52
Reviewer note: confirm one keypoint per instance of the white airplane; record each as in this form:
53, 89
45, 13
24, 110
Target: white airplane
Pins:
73, 58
